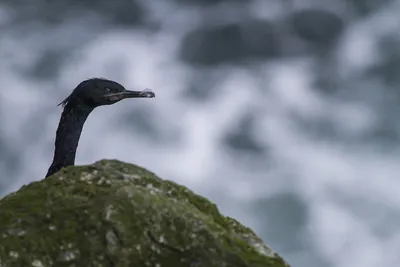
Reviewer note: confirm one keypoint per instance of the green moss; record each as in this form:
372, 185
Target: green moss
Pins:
118, 214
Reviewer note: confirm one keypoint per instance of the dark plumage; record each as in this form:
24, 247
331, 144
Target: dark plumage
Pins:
88, 95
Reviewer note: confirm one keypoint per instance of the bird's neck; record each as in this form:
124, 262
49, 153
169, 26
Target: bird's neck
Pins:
67, 137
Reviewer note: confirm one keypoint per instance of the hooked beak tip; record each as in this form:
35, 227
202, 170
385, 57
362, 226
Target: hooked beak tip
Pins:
148, 93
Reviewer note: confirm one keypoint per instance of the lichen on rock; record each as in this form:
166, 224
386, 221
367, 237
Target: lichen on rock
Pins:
117, 214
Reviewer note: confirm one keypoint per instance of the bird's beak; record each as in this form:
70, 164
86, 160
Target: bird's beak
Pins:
131, 94
147, 93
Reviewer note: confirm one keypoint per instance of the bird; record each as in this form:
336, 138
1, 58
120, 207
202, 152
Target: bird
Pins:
88, 95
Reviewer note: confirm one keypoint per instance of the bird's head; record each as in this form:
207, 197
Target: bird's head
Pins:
99, 92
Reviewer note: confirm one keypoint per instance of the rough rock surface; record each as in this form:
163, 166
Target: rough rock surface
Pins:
118, 214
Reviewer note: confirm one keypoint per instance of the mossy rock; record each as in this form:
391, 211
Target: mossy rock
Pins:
118, 214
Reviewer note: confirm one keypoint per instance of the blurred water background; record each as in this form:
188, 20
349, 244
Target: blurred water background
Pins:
283, 112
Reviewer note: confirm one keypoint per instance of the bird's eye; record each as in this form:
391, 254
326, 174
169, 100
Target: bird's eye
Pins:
107, 90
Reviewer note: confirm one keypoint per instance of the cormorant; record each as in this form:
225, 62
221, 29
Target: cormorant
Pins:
88, 95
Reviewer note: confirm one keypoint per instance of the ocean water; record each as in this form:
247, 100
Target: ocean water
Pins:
312, 168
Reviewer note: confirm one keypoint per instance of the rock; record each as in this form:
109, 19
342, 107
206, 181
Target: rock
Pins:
130, 13
209, 2
231, 43
118, 214
320, 27
367, 7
